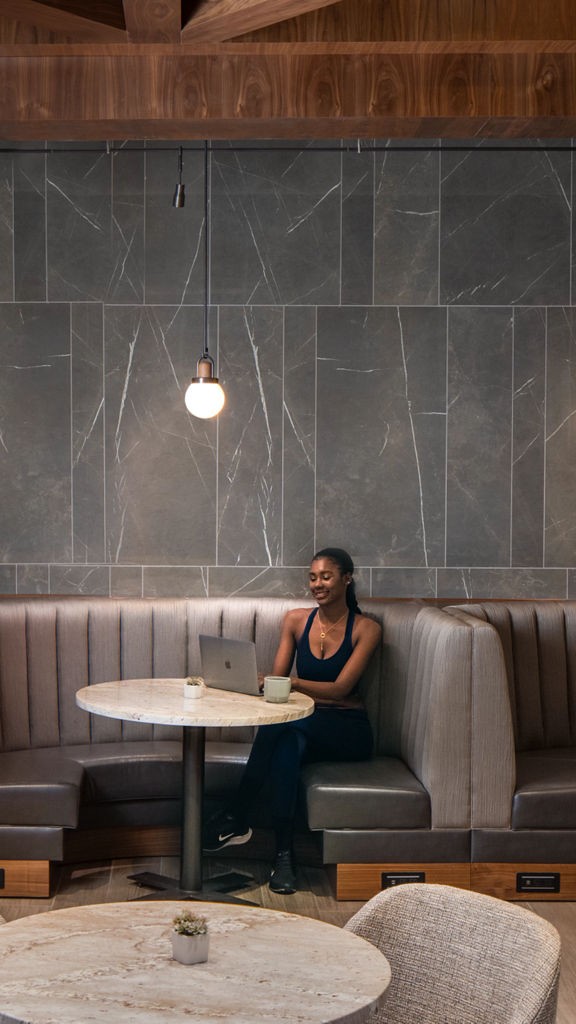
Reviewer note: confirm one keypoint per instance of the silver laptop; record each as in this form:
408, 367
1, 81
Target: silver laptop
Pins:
229, 664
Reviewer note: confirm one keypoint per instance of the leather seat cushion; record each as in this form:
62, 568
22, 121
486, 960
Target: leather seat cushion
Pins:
381, 793
152, 769
39, 787
545, 795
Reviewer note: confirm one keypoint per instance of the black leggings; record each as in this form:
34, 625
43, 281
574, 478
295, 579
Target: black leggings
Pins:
278, 752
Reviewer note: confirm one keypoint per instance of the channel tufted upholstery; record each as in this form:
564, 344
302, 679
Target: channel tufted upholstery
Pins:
524, 708
411, 802
461, 957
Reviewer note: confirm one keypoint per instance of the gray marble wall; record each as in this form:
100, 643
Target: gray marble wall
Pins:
396, 338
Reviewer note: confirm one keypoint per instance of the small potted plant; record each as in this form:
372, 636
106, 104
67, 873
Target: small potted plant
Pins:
189, 938
194, 687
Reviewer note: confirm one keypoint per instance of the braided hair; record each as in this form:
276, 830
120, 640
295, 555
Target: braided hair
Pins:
345, 564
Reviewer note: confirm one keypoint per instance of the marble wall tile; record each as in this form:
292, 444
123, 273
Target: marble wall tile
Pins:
33, 579
403, 583
126, 581
30, 227
357, 287
479, 436
406, 224
160, 461
126, 282
87, 331
35, 512
299, 425
6, 228
560, 543
505, 234
502, 583
174, 581
79, 226
529, 385
250, 437
174, 245
276, 227
381, 433
7, 579
80, 579
256, 581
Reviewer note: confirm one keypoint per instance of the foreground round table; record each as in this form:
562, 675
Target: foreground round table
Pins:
112, 963
162, 701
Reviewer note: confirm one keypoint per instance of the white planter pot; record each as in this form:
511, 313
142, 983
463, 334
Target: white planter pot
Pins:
194, 692
190, 949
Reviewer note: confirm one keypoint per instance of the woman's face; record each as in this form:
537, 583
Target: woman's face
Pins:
327, 583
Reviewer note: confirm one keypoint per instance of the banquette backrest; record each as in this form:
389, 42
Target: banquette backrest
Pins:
538, 640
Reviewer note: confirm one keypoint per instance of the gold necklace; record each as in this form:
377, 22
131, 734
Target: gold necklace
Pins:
324, 632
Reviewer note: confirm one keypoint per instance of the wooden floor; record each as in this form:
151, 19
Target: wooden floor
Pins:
107, 881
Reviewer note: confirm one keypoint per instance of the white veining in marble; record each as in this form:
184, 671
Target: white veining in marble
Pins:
112, 963
162, 701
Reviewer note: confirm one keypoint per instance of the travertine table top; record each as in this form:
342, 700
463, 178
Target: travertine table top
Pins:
112, 963
162, 701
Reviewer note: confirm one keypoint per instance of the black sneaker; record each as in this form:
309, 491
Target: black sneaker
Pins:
282, 877
224, 830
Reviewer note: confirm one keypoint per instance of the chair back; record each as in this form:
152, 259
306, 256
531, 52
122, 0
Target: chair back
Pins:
460, 957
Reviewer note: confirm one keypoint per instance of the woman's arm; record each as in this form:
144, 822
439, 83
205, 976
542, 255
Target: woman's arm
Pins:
286, 647
368, 634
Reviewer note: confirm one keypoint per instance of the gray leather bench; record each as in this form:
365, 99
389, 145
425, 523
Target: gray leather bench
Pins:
75, 786
523, 763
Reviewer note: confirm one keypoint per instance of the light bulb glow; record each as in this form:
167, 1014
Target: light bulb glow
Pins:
204, 398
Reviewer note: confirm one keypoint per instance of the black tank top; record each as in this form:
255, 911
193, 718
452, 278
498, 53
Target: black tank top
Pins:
323, 670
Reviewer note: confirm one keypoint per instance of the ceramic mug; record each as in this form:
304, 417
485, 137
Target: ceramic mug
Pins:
277, 689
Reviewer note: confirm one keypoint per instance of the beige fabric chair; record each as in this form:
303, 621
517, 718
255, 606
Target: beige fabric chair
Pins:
459, 957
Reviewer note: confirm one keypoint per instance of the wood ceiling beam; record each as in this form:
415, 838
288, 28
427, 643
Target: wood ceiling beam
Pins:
216, 20
56, 20
153, 21
289, 91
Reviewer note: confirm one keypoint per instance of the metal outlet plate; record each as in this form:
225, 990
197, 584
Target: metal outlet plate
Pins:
538, 881
392, 878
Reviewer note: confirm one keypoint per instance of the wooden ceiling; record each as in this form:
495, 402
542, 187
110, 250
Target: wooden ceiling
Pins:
195, 69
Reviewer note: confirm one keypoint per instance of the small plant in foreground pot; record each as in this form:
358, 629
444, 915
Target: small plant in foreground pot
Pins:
194, 687
190, 938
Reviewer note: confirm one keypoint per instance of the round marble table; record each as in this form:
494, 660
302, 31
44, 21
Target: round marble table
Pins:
112, 963
162, 701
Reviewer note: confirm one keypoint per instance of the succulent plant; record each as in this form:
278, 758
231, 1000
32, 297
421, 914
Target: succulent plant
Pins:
187, 923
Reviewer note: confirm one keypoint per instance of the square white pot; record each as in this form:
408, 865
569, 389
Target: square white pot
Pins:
190, 949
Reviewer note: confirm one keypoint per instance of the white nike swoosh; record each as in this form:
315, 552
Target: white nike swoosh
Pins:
226, 835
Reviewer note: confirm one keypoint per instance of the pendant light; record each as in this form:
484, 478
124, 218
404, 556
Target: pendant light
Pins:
204, 396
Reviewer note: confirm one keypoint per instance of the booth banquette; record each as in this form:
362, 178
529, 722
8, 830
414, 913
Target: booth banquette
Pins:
523, 754
79, 787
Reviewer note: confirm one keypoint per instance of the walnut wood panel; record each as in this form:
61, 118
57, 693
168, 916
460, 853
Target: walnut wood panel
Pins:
362, 881
103, 843
261, 92
500, 880
152, 21
24, 878
64, 22
220, 19
427, 20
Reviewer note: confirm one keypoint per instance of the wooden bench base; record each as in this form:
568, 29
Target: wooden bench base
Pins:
362, 881
502, 880
20, 879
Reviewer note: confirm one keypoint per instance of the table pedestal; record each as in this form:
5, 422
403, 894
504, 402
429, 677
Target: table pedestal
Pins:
190, 885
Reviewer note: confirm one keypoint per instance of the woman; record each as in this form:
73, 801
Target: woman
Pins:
333, 645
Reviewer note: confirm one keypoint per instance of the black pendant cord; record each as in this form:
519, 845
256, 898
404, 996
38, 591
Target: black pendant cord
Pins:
207, 196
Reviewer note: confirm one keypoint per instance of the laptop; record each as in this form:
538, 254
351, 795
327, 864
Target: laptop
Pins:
229, 664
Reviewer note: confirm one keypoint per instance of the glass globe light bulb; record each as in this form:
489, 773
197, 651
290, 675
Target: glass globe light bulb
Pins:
204, 398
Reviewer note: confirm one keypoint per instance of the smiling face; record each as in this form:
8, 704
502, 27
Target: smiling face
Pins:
327, 583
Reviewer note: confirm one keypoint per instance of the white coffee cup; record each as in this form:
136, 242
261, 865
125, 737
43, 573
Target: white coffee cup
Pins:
277, 689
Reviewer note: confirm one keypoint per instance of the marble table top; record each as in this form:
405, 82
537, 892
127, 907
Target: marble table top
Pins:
162, 701
112, 963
